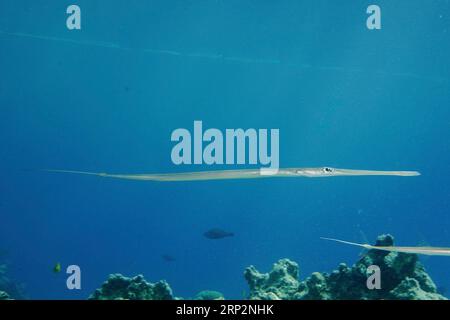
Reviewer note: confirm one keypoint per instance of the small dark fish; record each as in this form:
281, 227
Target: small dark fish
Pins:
57, 268
167, 258
217, 234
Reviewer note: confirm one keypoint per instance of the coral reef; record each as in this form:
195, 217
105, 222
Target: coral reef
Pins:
118, 287
4, 296
279, 284
209, 295
9, 287
403, 278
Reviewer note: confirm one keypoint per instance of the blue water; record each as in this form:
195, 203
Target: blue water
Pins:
109, 99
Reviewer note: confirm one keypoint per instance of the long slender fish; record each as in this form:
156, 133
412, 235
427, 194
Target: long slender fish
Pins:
429, 251
247, 174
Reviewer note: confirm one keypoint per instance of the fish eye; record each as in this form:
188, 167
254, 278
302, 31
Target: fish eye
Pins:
328, 170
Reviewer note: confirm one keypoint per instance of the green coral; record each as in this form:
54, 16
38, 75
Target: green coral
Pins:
410, 289
118, 287
4, 296
209, 295
8, 286
280, 284
403, 277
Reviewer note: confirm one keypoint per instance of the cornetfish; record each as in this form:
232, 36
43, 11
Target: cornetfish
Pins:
247, 174
429, 251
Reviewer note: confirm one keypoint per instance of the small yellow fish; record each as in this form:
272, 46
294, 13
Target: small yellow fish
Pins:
57, 268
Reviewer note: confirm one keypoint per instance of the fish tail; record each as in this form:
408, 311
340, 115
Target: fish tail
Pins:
76, 172
367, 246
